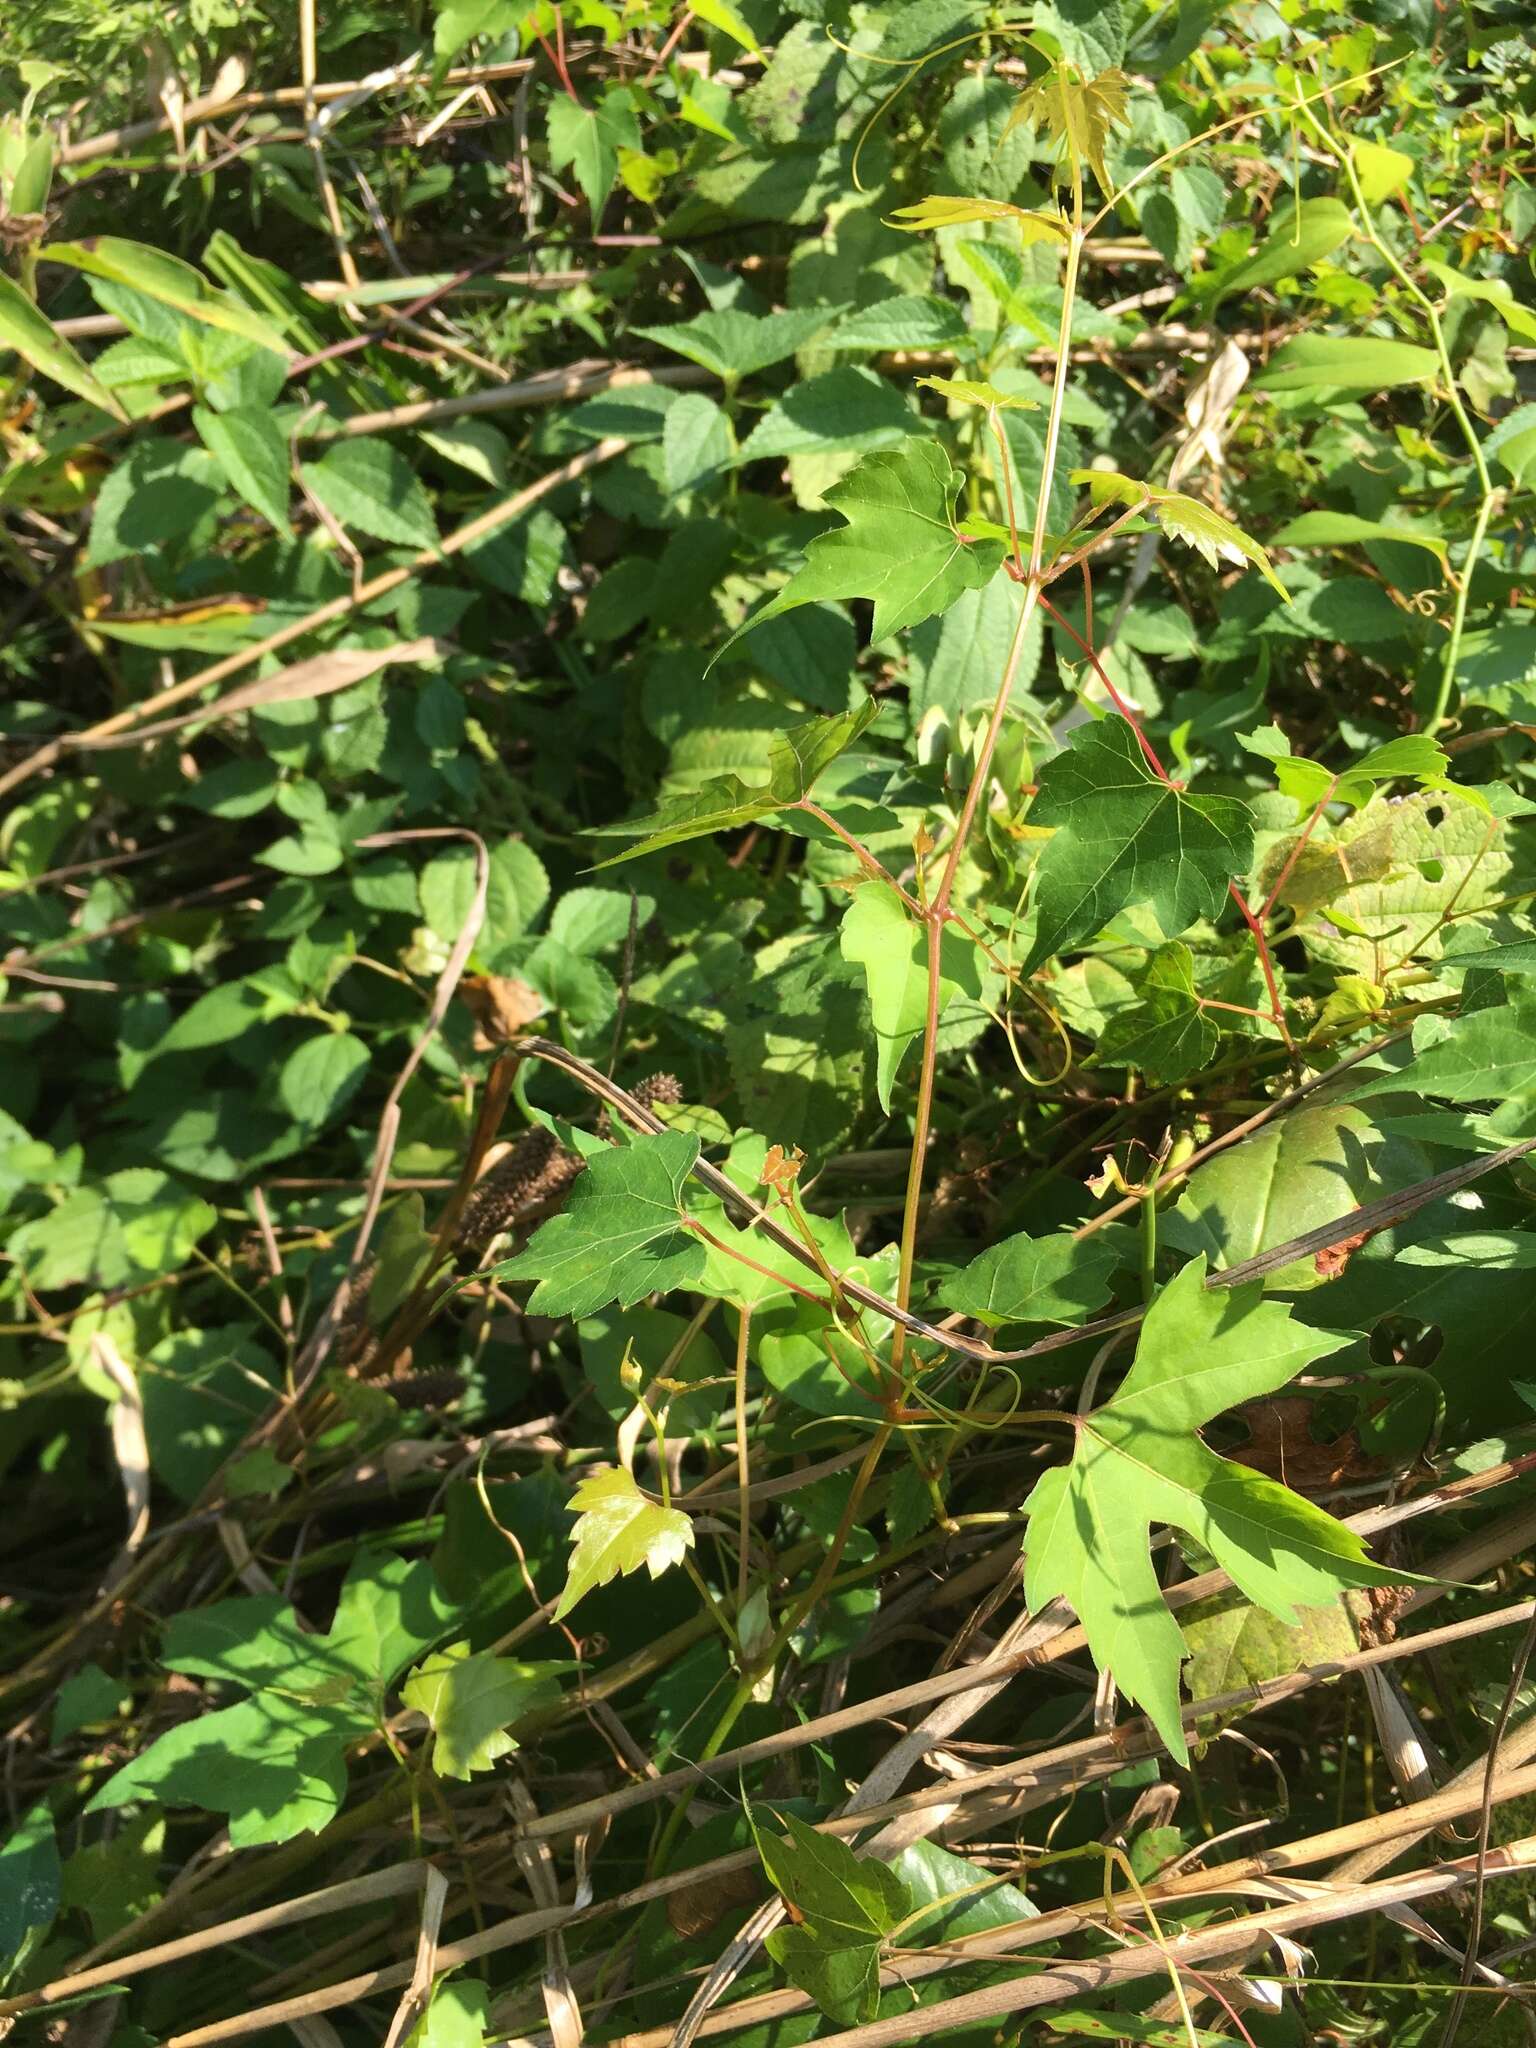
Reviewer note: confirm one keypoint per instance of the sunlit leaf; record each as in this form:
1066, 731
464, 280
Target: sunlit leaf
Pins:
620, 1530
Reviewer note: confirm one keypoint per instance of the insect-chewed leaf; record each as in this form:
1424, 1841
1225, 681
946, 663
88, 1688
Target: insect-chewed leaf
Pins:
899, 546
621, 1234
1078, 113
946, 211
1140, 1460
620, 1530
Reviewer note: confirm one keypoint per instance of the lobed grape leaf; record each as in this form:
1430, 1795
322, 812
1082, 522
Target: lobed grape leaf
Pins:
619, 1530
1124, 836
620, 1235
900, 545
1139, 1460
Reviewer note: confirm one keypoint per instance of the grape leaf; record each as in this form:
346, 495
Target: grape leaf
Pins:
945, 210
1123, 836
589, 139
844, 1904
795, 760
1139, 1460
620, 1235
1077, 113
1168, 1034
878, 934
470, 1702
617, 1531
1034, 1280
1182, 518
899, 546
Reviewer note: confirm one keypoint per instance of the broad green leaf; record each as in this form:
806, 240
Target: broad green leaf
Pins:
1308, 1168
1167, 1034
1513, 443
1124, 837
250, 449
1079, 114
114, 1881
1347, 529
1347, 362
849, 407
734, 344
589, 139
459, 21
156, 495
169, 281
369, 484
29, 331
471, 1702
620, 1235
943, 211
1491, 291
796, 759
619, 1530
1182, 518
696, 444
1035, 1280
916, 321
1139, 1460
458, 2017
320, 1077
964, 1898
881, 938
900, 545
87, 1698
275, 1765
29, 1878
1299, 237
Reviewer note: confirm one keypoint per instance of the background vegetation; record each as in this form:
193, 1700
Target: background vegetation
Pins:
483, 1333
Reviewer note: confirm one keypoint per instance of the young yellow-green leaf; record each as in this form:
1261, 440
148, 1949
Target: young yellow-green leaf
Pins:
1034, 1280
1381, 171
25, 328
1343, 529
471, 1702
795, 760
161, 276
719, 14
1140, 1460
1182, 518
619, 1236
1123, 836
945, 211
900, 545
1077, 113
619, 1530
971, 391
881, 938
